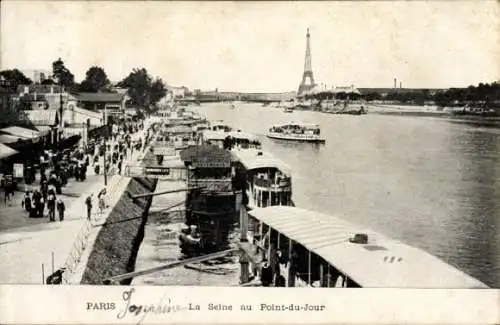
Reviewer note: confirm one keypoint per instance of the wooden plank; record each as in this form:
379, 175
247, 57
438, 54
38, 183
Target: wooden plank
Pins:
165, 192
168, 208
197, 259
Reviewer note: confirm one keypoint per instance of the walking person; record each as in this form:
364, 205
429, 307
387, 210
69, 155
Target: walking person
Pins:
41, 207
60, 209
120, 167
51, 205
88, 203
26, 204
4, 197
44, 187
101, 202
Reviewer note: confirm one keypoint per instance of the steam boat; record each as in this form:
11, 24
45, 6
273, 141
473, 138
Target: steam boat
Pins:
296, 132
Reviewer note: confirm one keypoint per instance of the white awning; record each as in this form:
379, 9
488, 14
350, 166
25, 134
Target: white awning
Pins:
21, 132
6, 151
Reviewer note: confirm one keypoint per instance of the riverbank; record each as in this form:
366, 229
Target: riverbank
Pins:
116, 245
161, 246
432, 111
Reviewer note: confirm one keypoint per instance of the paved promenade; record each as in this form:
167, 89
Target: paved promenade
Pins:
26, 251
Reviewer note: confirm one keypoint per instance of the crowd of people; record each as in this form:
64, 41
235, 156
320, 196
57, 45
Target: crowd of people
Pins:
60, 166
57, 167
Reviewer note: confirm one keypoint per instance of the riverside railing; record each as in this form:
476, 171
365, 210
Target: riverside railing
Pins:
81, 241
76, 252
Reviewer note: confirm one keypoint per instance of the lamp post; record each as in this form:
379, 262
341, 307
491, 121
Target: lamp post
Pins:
105, 154
60, 126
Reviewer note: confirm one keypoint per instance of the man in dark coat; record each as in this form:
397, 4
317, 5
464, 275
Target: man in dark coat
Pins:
60, 209
51, 205
88, 203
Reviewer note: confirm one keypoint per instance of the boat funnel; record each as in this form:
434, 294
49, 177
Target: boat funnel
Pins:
359, 239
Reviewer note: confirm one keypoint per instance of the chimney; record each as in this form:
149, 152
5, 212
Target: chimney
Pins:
400, 85
395, 83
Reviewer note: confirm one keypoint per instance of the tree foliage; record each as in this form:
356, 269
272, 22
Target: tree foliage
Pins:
482, 94
61, 74
14, 78
158, 91
142, 90
95, 80
47, 82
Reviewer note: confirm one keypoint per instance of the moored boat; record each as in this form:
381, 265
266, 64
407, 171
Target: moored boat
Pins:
296, 132
219, 125
317, 250
268, 179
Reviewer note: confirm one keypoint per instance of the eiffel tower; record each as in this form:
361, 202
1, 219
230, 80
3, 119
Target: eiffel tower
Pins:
308, 73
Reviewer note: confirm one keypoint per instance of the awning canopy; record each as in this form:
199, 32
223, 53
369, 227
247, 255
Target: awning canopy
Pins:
21, 132
381, 263
7, 138
6, 151
44, 129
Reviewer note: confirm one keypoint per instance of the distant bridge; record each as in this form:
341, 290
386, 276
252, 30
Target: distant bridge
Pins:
215, 96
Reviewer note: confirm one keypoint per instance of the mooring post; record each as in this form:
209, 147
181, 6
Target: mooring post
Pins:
245, 272
243, 224
309, 269
273, 260
43, 275
244, 261
322, 276
291, 265
52, 262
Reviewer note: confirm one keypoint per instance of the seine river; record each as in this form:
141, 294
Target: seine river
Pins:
430, 182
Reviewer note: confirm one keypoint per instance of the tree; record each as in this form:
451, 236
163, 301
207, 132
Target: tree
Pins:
14, 78
95, 80
61, 74
143, 91
47, 82
158, 91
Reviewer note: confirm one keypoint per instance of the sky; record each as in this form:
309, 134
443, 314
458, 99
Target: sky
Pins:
259, 46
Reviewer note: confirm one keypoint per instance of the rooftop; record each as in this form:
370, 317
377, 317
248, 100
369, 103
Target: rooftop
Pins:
251, 159
42, 89
20, 132
381, 263
100, 97
8, 138
42, 116
214, 135
6, 151
205, 152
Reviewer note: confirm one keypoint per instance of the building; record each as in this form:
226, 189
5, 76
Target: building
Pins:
177, 92
37, 75
76, 117
113, 104
46, 121
100, 101
51, 95
5, 103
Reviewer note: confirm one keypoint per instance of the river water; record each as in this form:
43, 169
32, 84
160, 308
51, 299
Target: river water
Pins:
430, 182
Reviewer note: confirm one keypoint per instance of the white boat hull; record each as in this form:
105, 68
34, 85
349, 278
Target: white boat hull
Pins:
295, 137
